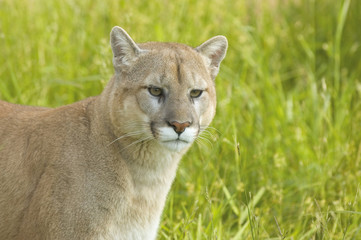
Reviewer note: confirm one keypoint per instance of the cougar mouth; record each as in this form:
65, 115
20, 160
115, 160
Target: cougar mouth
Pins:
175, 145
175, 140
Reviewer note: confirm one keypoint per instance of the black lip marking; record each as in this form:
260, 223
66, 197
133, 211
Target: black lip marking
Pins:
152, 129
176, 140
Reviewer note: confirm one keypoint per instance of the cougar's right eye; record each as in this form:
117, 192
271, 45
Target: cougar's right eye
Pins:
156, 92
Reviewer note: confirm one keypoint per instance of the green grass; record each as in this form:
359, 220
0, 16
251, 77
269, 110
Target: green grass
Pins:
285, 160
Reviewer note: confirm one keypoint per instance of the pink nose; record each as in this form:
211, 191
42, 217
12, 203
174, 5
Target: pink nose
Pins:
179, 127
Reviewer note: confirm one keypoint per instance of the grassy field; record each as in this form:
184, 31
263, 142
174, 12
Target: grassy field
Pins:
284, 160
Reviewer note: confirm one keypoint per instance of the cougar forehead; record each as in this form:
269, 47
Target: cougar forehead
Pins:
174, 63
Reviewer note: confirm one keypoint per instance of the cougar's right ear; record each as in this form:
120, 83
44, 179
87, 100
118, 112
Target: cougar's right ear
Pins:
125, 50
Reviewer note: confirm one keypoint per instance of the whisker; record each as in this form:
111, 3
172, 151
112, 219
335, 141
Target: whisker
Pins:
127, 135
201, 143
205, 140
136, 123
208, 133
135, 126
136, 142
210, 128
142, 143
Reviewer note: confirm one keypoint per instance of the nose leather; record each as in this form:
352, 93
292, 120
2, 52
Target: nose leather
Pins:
179, 127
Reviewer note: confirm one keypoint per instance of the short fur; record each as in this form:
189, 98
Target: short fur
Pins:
101, 168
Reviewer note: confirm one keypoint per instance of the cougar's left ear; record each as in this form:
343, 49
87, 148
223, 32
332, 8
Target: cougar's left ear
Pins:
213, 51
125, 50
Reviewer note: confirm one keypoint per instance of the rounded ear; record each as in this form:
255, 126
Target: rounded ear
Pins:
213, 51
125, 50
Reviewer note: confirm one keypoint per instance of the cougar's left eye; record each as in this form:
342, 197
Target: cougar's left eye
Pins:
154, 91
195, 93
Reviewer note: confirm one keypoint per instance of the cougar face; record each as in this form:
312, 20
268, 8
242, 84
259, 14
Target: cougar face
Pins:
172, 85
178, 101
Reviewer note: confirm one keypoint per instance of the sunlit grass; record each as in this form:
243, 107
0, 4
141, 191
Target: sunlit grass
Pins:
285, 155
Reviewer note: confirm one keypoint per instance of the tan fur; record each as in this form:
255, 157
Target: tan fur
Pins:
101, 168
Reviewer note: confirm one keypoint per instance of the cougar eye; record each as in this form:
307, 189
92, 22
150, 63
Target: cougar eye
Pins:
195, 93
156, 92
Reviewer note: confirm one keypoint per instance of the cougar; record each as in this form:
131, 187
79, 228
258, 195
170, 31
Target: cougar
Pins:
101, 168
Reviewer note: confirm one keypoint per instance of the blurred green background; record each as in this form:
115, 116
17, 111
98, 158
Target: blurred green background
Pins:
284, 158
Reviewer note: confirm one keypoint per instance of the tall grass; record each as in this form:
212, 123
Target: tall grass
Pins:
285, 157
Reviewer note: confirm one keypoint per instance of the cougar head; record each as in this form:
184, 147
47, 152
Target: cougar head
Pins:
163, 92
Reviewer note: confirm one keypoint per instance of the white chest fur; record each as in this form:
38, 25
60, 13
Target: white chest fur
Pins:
139, 218
131, 231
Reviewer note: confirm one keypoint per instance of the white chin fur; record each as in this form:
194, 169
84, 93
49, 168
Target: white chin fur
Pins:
169, 138
175, 145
